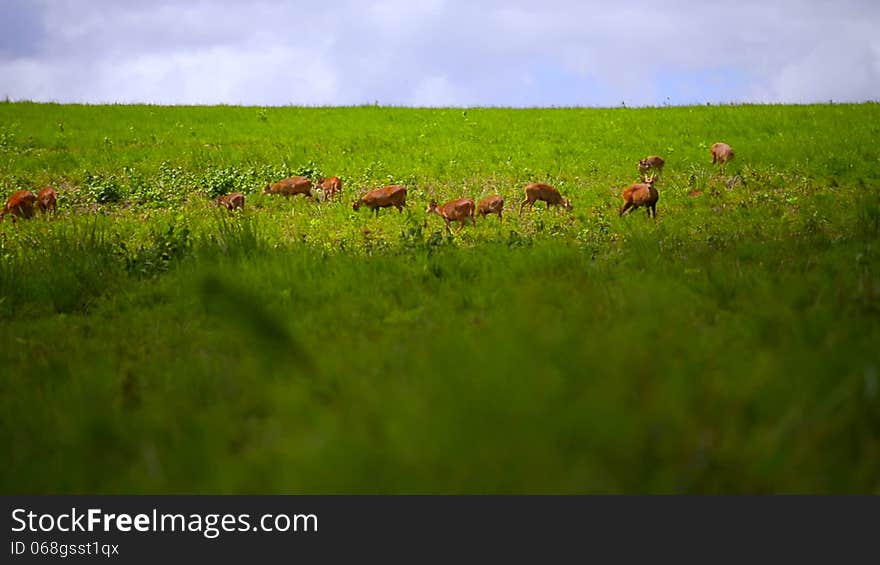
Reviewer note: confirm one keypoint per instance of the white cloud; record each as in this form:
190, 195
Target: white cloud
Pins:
261, 76
836, 70
213, 75
435, 91
440, 52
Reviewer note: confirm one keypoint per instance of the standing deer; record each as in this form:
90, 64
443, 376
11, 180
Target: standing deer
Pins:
290, 187
640, 194
654, 164
234, 201
20, 204
538, 191
721, 153
393, 195
460, 210
47, 199
330, 187
493, 204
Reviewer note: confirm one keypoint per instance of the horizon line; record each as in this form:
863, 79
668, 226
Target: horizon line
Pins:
376, 104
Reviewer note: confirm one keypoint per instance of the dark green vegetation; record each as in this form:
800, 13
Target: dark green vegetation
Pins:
151, 343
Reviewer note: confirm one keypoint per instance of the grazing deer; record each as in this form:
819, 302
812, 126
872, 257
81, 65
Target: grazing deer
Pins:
20, 204
330, 187
290, 187
234, 201
460, 211
393, 195
47, 199
721, 153
493, 204
538, 191
640, 194
654, 164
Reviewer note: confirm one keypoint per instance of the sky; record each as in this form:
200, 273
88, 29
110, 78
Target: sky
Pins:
440, 52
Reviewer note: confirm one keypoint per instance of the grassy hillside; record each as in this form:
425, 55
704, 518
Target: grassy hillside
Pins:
151, 343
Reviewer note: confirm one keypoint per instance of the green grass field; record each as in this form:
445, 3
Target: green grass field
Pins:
152, 343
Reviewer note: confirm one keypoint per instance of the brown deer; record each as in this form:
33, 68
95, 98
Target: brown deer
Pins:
330, 187
47, 199
393, 195
493, 204
654, 164
234, 201
544, 192
290, 187
460, 210
20, 204
721, 153
640, 194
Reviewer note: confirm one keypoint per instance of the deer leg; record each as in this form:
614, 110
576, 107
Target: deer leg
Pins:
626, 206
521, 206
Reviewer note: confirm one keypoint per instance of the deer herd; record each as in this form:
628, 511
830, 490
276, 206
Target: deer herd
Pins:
21, 203
24, 203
